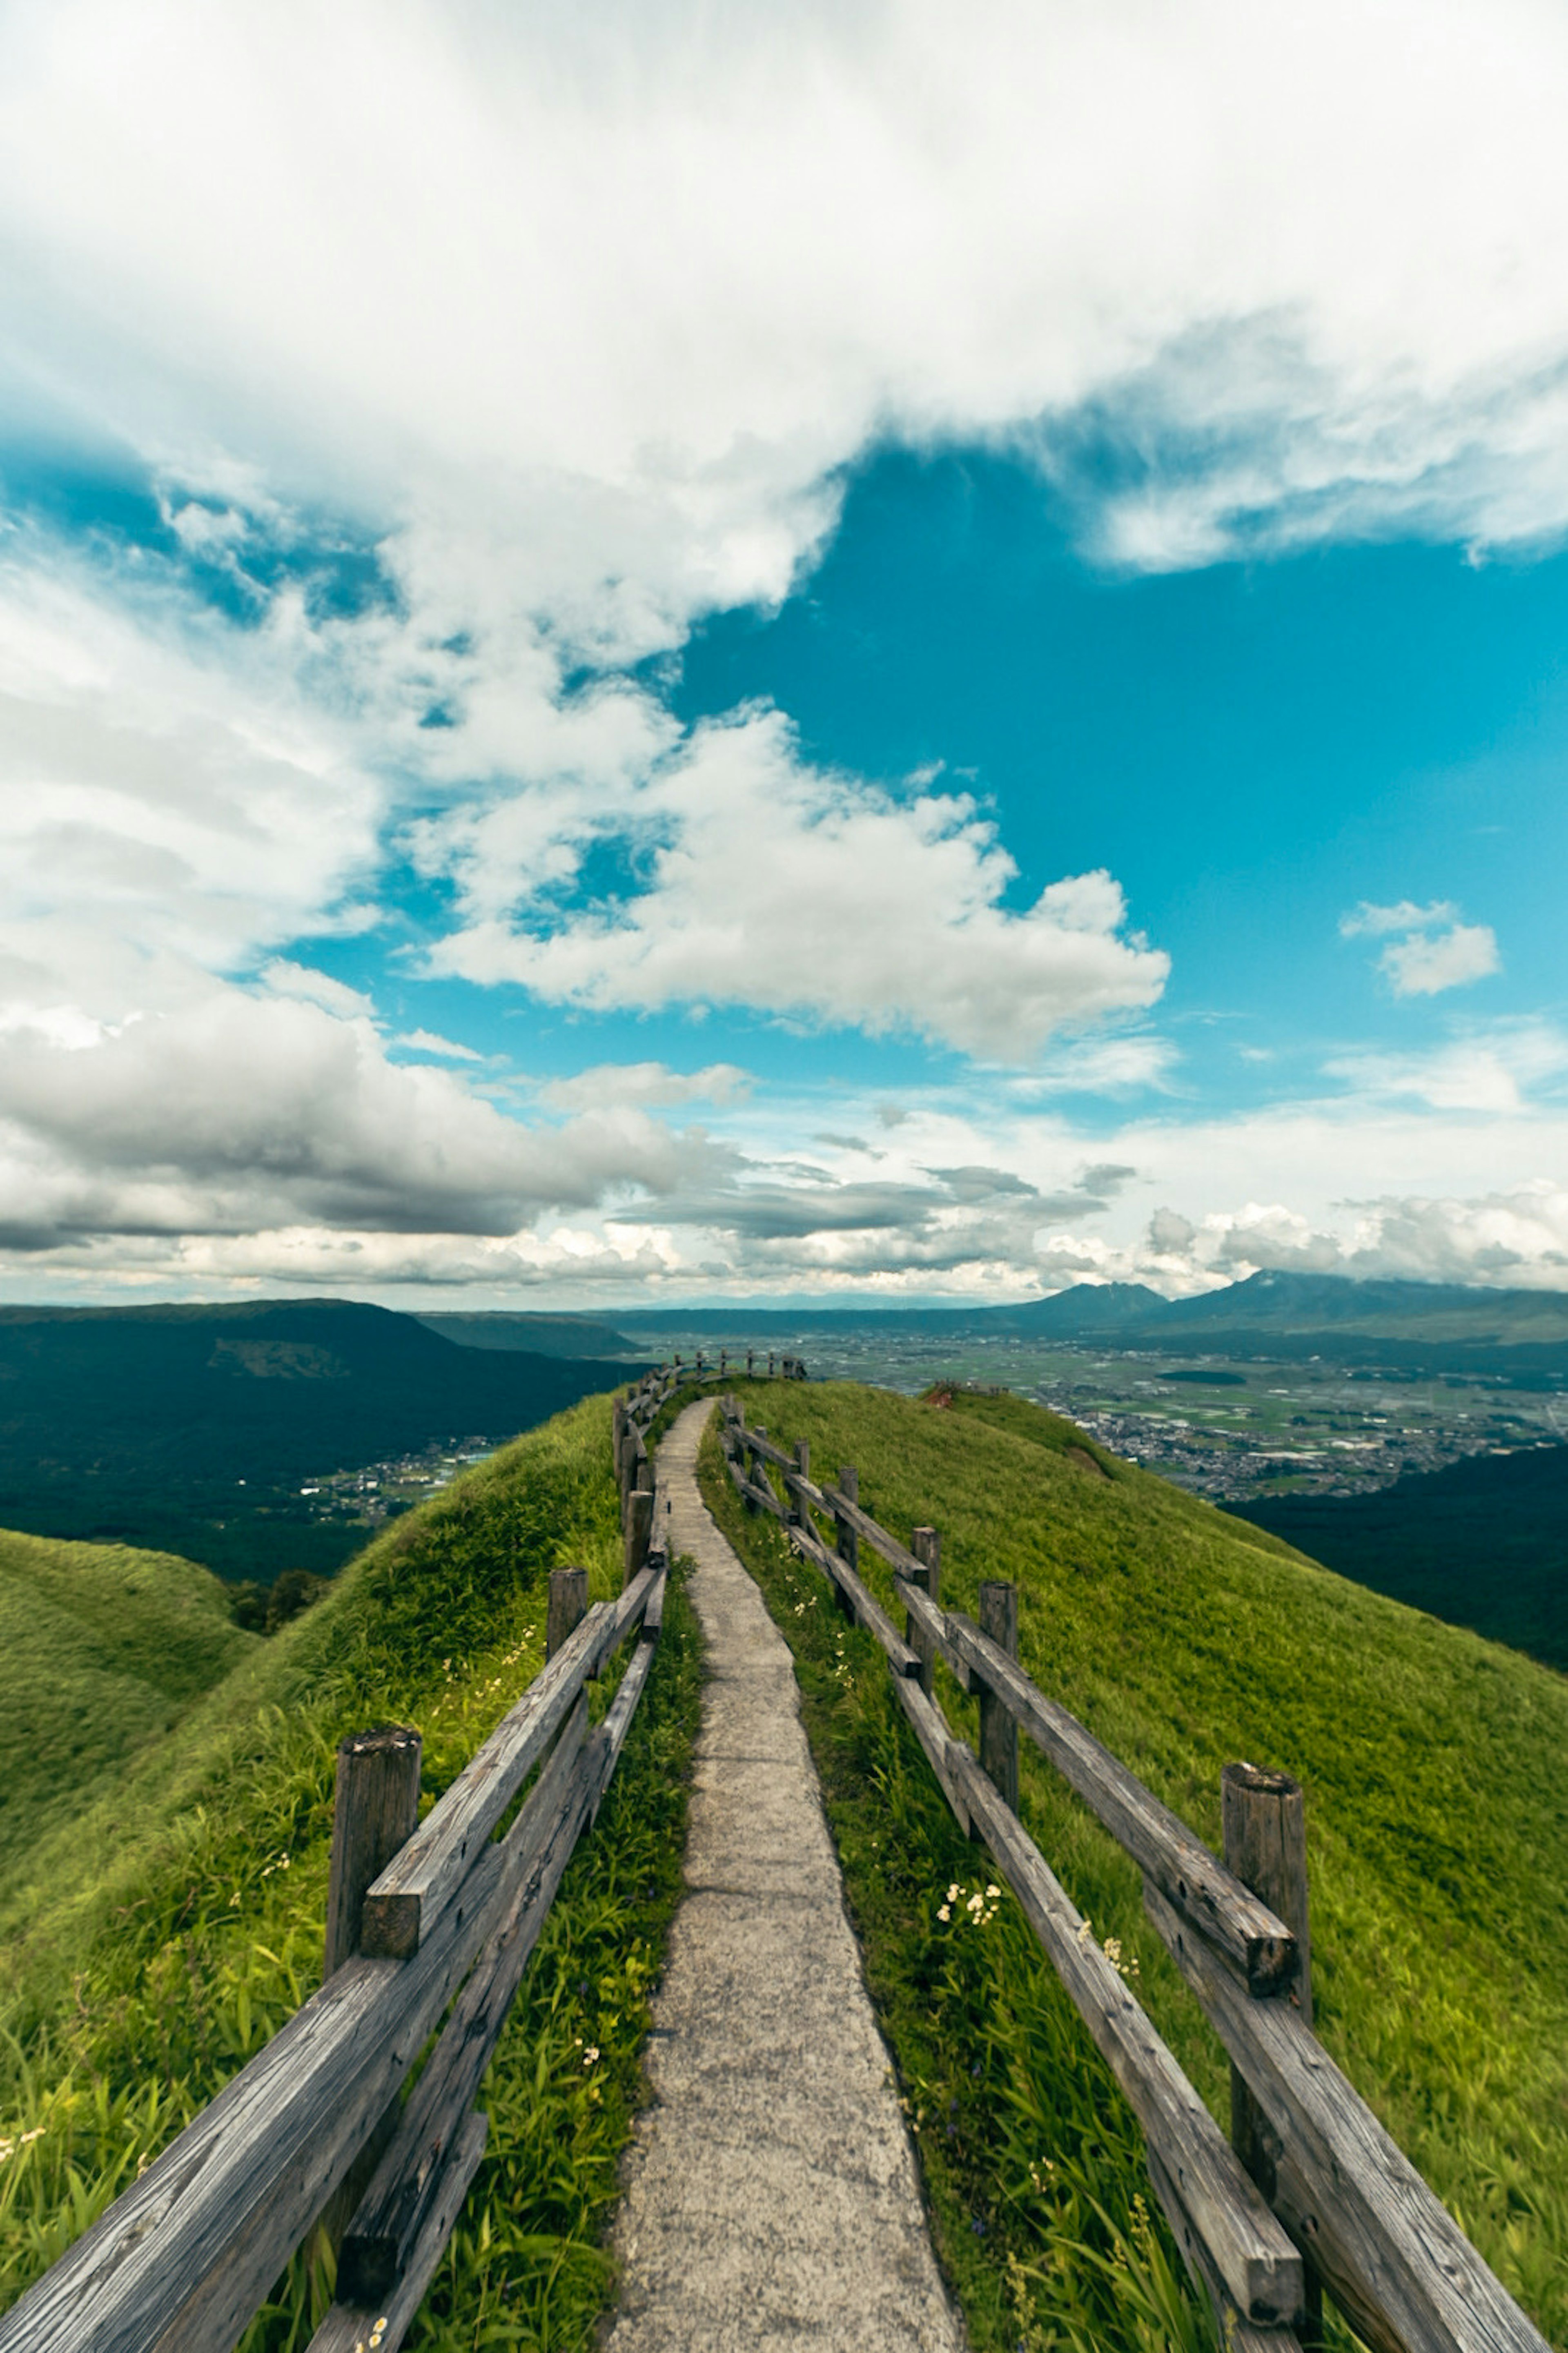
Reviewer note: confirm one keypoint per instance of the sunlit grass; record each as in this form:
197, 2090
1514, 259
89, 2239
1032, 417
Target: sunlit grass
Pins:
1435, 1767
180, 1924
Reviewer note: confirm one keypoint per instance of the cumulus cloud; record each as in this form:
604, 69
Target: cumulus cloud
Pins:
242, 1111
648, 1084
768, 883
464, 398
1436, 951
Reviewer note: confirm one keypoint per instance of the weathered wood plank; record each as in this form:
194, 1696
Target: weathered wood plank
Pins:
1265, 1829
847, 1507
348, 2328
639, 1532
930, 1730
1405, 2274
1259, 2266
927, 1581
653, 1616
1236, 2334
182, 2259
612, 1733
412, 1892
568, 1605
860, 1601
998, 1731
933, 1625
378, 2246
376, 1809
1179, 1863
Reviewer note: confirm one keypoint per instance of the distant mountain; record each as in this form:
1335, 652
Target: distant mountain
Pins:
543, 1335
1088, 1307
1515, 1335
190, 1430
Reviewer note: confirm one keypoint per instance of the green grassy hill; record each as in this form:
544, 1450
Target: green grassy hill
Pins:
151, 1944
1436, 1768
101, 1649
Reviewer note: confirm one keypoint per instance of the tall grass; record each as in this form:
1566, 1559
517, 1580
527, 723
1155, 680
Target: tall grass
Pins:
1435, 1767
157, 1949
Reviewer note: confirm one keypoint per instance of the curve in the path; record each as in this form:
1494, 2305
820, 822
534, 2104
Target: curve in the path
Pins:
771, 2196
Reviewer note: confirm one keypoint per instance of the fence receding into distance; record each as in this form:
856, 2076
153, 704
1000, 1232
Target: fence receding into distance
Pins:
1309, 2191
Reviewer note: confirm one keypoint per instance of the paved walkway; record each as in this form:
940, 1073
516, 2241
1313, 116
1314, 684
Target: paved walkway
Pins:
771, 2197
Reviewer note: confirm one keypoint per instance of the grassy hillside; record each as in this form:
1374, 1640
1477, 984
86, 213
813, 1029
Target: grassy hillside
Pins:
150, 1947
101, 1649
1435, 1767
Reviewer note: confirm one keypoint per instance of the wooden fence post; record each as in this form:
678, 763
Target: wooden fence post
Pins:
801, 1510
998, 1733
926, 1545
376, 1808
751, 1356
640, 1530
847, 1538
1265, 1828
568, 1601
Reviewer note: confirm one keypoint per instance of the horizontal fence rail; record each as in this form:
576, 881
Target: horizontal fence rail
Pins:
1309, 2189
310, 2135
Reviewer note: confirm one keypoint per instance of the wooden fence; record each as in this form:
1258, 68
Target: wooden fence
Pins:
309, 2136
1309, 2191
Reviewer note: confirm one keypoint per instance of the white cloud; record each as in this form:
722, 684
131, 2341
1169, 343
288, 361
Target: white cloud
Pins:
578, 319
771, 884
1435, 952
241, 1112
425, 1042
650, 1084
1495, 1068
1428, 964
286, 978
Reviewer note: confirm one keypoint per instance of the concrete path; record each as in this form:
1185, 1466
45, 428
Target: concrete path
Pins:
771, 2194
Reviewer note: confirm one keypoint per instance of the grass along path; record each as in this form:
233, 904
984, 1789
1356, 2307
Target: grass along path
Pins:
159, 1941
1435, 1767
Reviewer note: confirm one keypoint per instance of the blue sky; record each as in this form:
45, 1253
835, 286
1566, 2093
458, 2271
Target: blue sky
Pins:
640, 658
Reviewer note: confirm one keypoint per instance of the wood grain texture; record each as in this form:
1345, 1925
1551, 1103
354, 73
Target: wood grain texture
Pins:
1250, 2251
378, 2246
1265, 1842
998, 1731
568, 1605
1394, 2258
930, 1730
348, 2328
376, 1809
1236, 2334
184, 2258
639, 1532
410, 1895
857, 1601
1168, 1853
926, 1580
